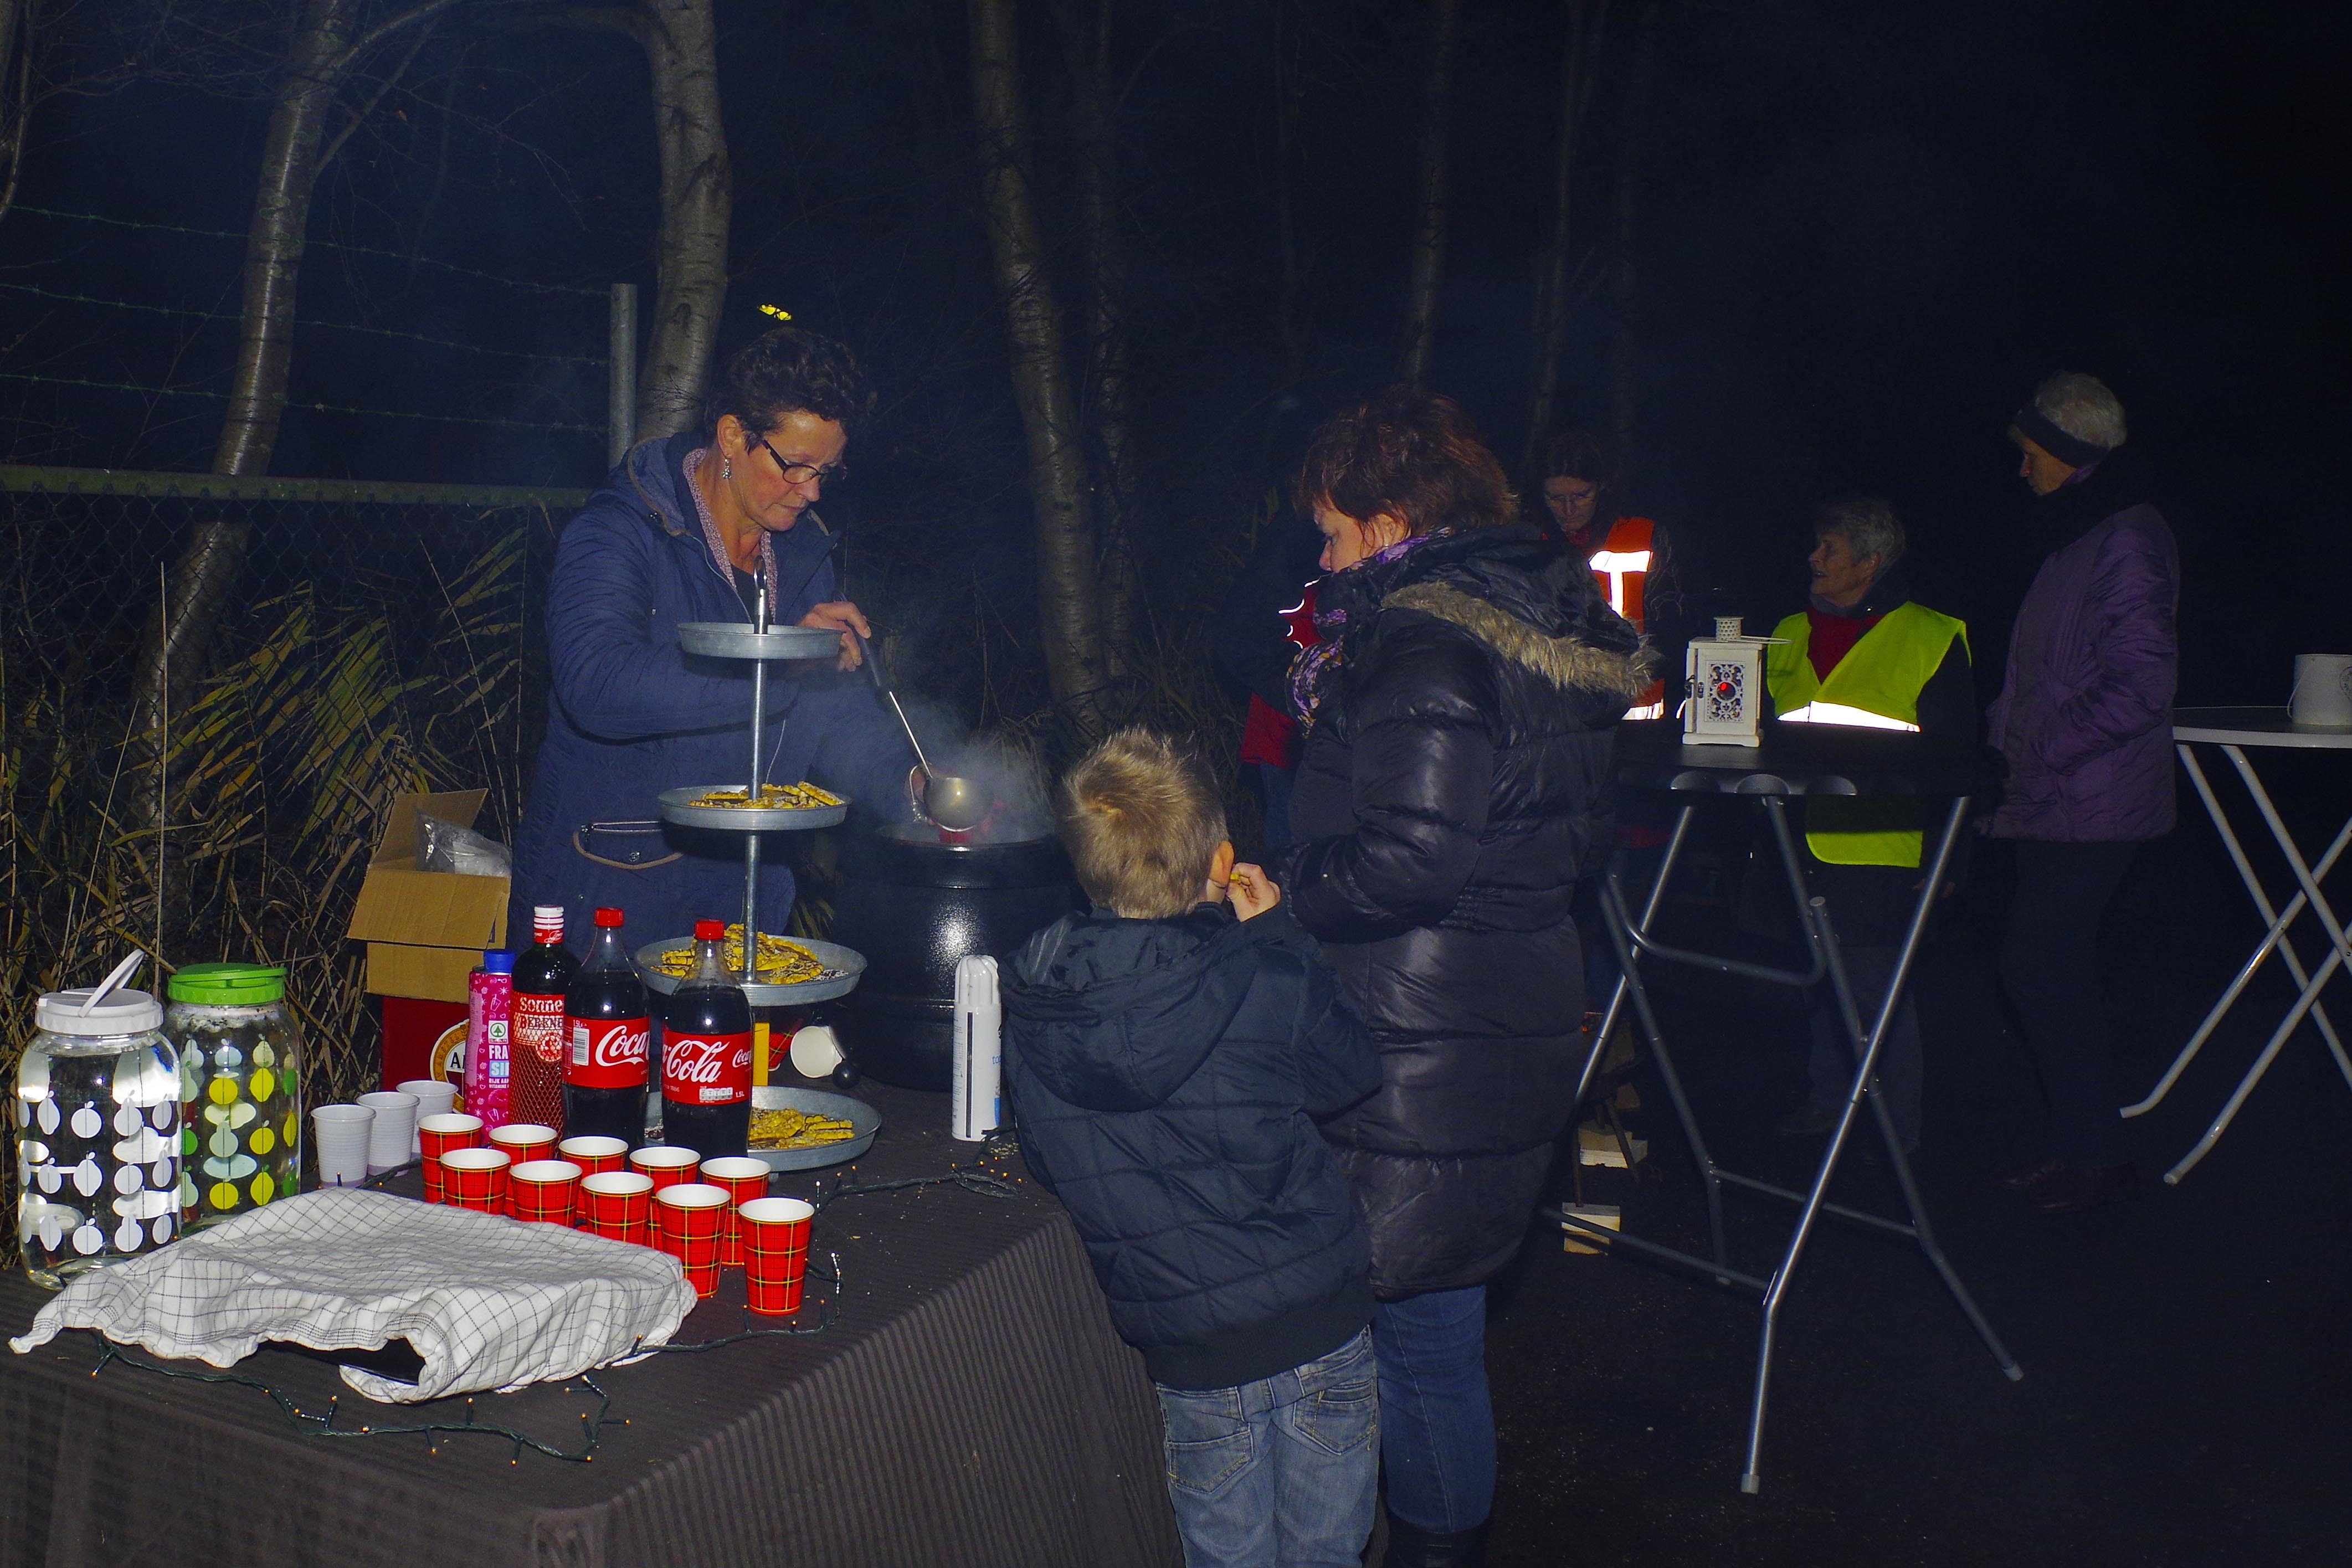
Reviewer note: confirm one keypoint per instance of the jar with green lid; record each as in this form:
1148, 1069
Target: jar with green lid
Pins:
240, 1088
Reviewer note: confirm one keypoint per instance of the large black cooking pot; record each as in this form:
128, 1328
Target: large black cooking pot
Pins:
915, 907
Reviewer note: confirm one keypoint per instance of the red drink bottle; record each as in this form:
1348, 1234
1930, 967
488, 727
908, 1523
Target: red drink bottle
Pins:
606, 1021
542, 973
707, 1055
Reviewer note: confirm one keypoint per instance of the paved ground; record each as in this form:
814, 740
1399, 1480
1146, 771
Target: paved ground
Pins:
2187, 1369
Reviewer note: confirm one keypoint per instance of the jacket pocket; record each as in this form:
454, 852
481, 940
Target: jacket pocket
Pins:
624, 846
1209, 1440
1338, 1410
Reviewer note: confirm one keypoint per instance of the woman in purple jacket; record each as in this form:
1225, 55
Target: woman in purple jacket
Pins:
2085, 721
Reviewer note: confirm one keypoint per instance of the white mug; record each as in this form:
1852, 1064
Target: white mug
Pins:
2322, 698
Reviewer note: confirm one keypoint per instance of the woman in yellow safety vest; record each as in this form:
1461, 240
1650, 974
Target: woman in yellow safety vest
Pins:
1862, 653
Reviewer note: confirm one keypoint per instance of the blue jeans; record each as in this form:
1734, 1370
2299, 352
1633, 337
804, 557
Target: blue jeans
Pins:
1280, 1473
1437, 1426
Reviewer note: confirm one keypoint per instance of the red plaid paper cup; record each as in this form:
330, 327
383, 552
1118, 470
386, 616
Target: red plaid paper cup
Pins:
435, 1137
593, 1154
745, 1179
476, 1178
617, 1204
543, 1191
525, 1141
666, 1166
775, 1253
690, 1216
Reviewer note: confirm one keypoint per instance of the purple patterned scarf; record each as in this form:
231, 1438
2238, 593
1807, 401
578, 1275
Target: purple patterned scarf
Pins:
1312, 670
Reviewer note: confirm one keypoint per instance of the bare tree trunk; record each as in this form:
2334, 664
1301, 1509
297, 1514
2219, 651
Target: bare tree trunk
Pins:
1088, 44
1431, 194
698, 196
328, 44
1068, 610
1629, 142
1548, 332
18, 18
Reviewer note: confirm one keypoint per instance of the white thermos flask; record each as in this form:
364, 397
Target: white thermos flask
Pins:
976, 1097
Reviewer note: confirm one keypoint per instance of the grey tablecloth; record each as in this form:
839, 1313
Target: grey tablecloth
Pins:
970, 1407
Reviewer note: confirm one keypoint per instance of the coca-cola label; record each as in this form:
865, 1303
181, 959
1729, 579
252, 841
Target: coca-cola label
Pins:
538, 1026
606, 1053
706, 1069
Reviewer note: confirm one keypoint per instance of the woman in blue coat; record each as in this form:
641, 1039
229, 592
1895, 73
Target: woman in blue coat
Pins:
684, 530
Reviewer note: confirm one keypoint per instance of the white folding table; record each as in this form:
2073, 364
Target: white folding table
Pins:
2233, 730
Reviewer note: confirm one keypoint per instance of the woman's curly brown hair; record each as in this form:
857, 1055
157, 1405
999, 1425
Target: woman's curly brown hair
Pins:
786, 370
1414, 454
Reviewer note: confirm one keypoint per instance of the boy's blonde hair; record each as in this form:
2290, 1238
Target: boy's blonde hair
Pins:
1141, 820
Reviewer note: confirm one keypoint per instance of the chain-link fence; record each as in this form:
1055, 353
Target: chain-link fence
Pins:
380, 641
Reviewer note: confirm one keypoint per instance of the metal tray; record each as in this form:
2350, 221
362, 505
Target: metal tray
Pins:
861, 1116
677, 806
831, 955
734, 639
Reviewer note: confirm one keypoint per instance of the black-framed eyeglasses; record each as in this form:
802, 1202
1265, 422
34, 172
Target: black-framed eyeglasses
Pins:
802, 473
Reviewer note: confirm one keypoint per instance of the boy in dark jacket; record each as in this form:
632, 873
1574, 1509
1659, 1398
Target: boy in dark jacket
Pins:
1168, 1063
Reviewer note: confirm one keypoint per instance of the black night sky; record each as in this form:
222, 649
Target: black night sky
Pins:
1863, 231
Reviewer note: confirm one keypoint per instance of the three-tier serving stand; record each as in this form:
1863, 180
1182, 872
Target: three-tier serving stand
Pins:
760, 644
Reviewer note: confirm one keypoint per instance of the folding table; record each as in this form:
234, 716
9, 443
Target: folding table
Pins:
2231, 730
1792, 761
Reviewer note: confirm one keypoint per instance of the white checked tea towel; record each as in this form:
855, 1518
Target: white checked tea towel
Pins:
489, 1303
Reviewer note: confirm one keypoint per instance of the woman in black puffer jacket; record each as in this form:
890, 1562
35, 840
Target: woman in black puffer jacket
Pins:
1455, 781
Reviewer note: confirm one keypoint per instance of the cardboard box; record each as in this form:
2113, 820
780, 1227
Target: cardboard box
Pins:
425, 929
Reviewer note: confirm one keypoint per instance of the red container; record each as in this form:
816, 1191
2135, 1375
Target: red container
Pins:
524, 1141
476, 1178
666, 1166
775, 1253
617, 1204
744, 1179
543, 1192
690, 1217
594, 1154
438, 1135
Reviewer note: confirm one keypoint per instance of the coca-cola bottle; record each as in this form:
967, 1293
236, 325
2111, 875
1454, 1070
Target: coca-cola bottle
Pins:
707, 1055
606, 1021
542, 973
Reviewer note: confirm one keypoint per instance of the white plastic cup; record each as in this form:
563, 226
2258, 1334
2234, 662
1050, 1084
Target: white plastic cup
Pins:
342, 1133
2322, 696
393, 1139
434, 1097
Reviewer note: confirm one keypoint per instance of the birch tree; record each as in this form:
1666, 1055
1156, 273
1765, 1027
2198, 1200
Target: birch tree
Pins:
330, 41
1068, 600
1087, 36
680, 39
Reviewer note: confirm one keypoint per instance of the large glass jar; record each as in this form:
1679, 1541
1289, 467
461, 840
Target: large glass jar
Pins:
97, 1134
240, 1088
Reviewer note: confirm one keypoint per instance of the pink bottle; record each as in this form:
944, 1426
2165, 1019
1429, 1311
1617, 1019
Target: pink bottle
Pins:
489, 1038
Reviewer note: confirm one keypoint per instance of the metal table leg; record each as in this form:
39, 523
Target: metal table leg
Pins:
1632, 940
1815, 918
2307, 998
2273, 937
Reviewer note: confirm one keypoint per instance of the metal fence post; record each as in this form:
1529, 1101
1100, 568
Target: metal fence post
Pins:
621, 390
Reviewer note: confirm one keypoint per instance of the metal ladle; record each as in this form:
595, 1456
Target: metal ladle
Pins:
955, 803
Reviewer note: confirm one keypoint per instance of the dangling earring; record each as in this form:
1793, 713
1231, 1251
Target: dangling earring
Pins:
727, 468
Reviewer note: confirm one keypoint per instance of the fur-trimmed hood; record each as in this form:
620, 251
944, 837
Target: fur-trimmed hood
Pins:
1527, 597
1566, 661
